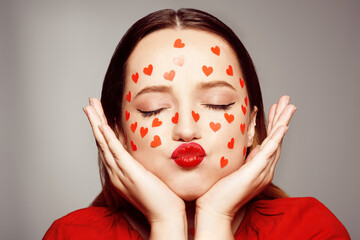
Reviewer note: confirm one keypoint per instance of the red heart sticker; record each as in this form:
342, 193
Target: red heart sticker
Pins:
179, 60
229, 71
243, 109
148, 70
143, 131
135, 77
244, 151
178, 43
216, 50
169, 75
215, 126
127, 115
231, 144
156, 122
156, 142
242, 82
242, 128
229, 117
133, 146
196, 116
207, 70
223, 162
175, 118
246, 101
133, 127
128, 97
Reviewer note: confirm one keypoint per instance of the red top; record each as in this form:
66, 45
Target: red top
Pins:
286, 218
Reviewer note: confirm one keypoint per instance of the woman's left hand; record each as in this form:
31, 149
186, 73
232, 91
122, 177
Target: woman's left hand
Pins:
217, 207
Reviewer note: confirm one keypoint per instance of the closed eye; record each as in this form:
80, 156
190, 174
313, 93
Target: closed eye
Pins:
151, 113
219, 107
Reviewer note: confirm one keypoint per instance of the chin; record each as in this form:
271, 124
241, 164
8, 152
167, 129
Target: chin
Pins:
191, 193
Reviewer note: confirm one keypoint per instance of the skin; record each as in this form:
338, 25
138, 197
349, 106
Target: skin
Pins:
172, 198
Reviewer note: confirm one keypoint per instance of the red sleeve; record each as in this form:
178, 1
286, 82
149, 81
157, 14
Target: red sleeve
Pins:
290, 218
90, 224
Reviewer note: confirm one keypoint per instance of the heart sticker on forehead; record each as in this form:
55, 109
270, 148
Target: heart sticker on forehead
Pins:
179, 60
169, 75
178, 43
216, 50
148, 70
207, 70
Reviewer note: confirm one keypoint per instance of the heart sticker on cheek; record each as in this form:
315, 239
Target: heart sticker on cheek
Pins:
223, 162
196, 116
242, 82
135, 77
242, 128
216, 50
148, 70
133, 127
178, 43
229, 117
156, 122
128, 97
127, 115
229, 71
169, 75
179, 60
133, 146
244, 151
231, 144
207, 70
215, 126
175, 118
243, 109
246, 101
143, 131
156, 142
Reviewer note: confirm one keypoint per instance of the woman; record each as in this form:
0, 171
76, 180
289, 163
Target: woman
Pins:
183, 148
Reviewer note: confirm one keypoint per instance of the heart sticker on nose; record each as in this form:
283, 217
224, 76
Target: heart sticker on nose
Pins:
135, 77
242, 128
178, 43
229, 117
216, 50
133, 127
128, 97
179, 60
156, 142
196, 116
148, 70
143, 131
169, 75
175, 118
133, 146
231, 144
229, 71
207, 70
156, 122
242, 82
243, 109
223, 162
215, 126
127, 115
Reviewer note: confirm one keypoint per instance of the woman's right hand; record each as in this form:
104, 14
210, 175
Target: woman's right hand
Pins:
162, 207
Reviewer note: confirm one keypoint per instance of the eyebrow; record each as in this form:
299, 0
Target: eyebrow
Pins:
208, 85
161, 89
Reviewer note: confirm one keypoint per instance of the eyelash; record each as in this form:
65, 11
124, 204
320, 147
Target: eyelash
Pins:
210, 106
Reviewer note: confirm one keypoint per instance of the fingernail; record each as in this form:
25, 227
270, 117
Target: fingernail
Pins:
287, 100
90, 102
294, 110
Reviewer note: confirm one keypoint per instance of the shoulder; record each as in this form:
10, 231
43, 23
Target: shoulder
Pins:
91, 223
304, 218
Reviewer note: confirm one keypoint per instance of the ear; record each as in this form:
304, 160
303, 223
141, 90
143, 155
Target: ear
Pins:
120, 135
251, 127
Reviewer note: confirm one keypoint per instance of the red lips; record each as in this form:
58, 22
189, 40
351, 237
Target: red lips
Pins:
188, 155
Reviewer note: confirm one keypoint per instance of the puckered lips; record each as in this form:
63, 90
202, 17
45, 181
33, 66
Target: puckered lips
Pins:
188, 155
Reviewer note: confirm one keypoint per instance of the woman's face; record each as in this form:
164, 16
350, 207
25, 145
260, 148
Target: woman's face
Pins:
186, 86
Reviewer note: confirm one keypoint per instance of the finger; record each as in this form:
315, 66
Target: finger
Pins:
282, 103
253, 153
94, 102
271, 118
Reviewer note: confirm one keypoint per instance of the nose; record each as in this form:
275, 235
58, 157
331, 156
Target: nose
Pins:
186, 129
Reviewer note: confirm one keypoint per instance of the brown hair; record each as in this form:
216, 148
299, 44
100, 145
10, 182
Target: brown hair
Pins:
113, 86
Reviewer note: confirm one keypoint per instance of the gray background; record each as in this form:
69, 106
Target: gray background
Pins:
54, 55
